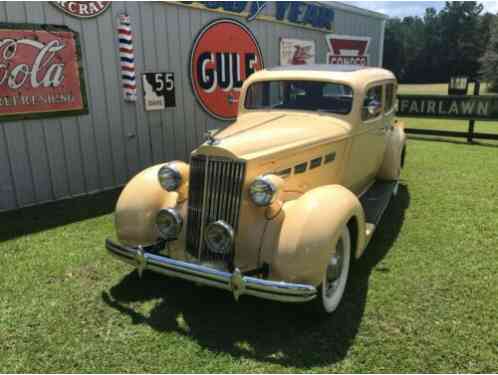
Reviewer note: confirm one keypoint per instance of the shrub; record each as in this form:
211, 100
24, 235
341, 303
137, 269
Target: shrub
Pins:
489, 61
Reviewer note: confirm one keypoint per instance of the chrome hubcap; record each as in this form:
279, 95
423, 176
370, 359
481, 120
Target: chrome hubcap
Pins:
334, 269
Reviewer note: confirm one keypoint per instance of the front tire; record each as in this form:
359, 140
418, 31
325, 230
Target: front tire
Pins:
336, 274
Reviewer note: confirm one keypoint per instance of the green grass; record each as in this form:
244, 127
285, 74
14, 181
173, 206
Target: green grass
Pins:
424, 298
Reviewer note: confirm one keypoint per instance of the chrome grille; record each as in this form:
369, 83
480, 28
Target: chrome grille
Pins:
215, 190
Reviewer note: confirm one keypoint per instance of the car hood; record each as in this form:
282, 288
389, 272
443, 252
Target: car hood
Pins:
257, 134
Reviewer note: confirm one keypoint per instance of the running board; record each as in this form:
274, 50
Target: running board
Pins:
375, 201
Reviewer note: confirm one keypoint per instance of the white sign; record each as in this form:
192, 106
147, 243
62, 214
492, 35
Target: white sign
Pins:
297, 52
347, 49
159, 90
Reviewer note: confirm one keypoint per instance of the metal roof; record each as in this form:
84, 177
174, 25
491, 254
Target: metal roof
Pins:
343, 5
320, 68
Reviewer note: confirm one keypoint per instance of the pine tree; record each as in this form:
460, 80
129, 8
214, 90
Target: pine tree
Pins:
489, 61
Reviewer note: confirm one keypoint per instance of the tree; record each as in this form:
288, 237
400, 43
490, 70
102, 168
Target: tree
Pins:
394, 51
438, 45
485, 24
460, 36
489, 61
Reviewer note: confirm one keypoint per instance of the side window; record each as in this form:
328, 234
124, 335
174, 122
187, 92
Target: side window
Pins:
389, 97
372, 105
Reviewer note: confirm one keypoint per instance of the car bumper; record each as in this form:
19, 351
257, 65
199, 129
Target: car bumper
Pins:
235, 282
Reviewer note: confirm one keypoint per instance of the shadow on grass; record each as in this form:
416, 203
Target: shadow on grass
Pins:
50, 215
287, 334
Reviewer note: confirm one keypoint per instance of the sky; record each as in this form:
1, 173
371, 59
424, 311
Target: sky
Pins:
411, 8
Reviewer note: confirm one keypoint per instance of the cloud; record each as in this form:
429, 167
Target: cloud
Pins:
411, 8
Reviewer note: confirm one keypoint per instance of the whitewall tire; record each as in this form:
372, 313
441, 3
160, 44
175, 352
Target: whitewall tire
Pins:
336, 273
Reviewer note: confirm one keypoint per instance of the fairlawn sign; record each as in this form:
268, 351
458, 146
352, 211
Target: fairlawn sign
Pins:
224, 54
451, 107
347, 49
39, 72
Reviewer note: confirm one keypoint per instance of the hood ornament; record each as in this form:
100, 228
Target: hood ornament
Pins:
210, 139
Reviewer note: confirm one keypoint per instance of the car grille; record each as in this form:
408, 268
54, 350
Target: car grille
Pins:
215, 190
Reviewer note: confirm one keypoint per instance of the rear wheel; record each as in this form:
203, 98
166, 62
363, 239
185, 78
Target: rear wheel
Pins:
336, 274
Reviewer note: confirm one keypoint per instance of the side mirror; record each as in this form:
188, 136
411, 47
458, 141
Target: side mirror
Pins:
374, 108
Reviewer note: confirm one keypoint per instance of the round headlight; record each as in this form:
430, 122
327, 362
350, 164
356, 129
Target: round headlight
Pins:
219, 237
169, 177
169, 223
263, 191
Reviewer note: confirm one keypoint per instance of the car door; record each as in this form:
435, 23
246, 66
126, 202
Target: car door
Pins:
369, 140
389, 107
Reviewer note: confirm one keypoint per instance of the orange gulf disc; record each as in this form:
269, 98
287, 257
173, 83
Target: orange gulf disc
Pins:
224, 54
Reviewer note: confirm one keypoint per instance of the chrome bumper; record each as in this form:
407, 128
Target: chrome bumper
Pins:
235, 282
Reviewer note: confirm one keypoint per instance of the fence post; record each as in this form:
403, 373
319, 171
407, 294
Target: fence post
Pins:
470, 136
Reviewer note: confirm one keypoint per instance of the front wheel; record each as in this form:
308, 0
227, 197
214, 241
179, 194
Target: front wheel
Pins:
336, 274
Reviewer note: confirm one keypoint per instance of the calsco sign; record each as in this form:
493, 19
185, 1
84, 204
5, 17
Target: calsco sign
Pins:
224, 54
349, 50
82, 9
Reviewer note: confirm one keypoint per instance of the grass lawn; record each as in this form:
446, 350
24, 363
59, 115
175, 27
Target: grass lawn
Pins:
424, 298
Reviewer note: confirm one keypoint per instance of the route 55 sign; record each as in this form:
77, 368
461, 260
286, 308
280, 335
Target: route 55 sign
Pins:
159, 90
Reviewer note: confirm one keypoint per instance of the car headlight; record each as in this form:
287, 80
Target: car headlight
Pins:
169, 177
263, 191
219, 237
169, 223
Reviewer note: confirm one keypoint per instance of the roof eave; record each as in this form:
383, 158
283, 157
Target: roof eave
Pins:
354, 9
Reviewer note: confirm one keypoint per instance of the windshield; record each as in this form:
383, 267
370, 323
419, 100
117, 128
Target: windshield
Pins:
300, 95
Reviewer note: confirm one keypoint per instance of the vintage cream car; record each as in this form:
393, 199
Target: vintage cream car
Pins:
277, 204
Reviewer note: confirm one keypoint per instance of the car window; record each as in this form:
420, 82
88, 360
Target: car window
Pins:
374, 95
389, 97
300, 95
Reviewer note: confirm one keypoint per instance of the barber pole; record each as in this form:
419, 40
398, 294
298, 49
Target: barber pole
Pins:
127, 59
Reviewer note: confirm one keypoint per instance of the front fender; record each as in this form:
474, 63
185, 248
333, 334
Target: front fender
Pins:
298, 242
138, 205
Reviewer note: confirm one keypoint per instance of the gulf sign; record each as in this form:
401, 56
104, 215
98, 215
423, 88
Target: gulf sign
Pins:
223, 55
40, 72
347, 49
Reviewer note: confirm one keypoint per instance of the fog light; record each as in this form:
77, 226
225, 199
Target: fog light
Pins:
219, 237
169, 223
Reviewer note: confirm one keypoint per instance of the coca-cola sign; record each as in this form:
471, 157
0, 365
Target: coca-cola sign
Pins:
40, 72
82, 9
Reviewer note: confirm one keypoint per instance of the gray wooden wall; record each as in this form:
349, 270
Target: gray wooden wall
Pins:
51, 159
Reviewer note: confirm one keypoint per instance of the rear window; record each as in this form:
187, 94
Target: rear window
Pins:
300, 95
